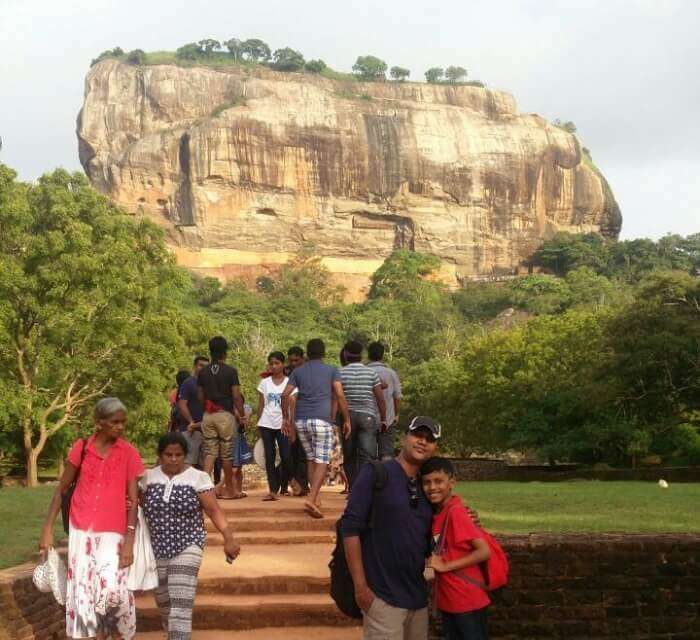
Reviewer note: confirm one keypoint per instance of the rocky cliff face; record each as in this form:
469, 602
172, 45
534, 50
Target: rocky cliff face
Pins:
242, 167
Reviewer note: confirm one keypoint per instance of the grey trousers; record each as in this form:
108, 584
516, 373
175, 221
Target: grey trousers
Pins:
384, 622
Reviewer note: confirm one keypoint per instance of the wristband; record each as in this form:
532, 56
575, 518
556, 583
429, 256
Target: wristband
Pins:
131, 527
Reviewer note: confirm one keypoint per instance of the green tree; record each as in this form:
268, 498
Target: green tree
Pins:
88, 305
434, 75
209, 45
235, 48
566, 251
255, 50
288, 60
136, 57
567, 125
455, 74
117, 52
399, 73
315, 66
479, 301
189, 51
370, 68
540, 294
401, 272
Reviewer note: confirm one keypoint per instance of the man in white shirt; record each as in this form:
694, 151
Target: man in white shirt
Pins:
391, 386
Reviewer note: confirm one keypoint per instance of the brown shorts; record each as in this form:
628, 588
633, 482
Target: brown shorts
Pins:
218, 431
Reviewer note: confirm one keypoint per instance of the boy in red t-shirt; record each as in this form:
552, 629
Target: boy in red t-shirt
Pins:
459, 549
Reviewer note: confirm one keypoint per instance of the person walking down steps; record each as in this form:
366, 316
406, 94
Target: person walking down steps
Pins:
174, 496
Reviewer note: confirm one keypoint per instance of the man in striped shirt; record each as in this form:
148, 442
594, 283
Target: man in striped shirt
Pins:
363, 392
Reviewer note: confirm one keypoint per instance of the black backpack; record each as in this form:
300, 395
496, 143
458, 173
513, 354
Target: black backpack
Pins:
342, 587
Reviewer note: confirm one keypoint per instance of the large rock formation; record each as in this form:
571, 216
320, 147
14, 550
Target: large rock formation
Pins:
244, 166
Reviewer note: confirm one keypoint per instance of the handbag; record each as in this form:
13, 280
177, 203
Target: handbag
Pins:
67, 497
50, 576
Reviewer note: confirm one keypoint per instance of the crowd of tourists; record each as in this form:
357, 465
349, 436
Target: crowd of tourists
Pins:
316, 423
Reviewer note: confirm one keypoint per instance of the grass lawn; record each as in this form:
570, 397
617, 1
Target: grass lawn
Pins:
22, 513
504, 507
584, 506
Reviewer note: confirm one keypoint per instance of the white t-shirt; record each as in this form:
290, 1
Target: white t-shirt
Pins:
272, 411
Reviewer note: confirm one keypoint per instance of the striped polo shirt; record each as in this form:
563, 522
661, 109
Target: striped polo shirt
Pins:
358, 385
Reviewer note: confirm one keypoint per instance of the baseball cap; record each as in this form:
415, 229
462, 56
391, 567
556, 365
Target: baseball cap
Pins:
425, 422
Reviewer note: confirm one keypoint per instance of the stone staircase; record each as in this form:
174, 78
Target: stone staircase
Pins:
277, 587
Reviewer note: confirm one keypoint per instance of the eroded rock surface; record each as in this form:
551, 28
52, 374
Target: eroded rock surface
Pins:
242, 167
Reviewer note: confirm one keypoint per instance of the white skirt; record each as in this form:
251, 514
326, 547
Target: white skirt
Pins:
97, 598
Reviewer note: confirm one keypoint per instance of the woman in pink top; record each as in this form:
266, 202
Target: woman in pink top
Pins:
101, 539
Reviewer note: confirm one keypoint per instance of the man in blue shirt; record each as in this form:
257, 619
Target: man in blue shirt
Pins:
387, 560
317, 383
191, 410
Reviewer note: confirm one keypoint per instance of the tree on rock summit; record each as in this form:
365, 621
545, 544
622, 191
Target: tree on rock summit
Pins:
209, 45
434, 75
370, 68
256, 50
399, 73
235, 47
288, 60
455, 74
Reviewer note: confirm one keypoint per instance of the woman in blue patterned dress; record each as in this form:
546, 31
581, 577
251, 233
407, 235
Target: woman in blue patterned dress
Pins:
174, 496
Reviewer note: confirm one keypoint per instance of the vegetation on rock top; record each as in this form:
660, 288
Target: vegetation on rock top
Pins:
254, 51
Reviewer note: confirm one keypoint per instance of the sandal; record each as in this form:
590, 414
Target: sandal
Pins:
270, 498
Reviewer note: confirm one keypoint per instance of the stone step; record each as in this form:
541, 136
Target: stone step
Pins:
270, 633
269, 564
279, 536
280, 508
281, 523
263, 585
251, 612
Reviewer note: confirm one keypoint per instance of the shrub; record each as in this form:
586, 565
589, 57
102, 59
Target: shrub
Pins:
137, 57
117, 52
568, 126
315, 66
288, 60
189, 51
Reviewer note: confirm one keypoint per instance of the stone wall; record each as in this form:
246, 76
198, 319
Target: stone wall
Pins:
26, 614
599, 586
473, 469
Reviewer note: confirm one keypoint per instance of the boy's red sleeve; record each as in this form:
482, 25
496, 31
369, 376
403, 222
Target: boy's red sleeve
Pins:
462, 526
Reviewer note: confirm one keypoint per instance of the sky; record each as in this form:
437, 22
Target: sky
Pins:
626, 72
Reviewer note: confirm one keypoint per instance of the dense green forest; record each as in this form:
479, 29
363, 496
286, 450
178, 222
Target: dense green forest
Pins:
595, 357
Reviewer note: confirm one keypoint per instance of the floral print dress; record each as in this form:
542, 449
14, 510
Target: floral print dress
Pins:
97, 598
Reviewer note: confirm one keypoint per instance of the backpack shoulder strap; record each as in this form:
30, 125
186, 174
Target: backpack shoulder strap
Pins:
460, 574
380, 478
83, 451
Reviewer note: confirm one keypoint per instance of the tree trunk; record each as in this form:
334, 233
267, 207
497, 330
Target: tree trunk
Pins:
32, 468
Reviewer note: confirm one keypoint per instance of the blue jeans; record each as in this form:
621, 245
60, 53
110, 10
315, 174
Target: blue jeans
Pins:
465, 626
272, 439
361, 447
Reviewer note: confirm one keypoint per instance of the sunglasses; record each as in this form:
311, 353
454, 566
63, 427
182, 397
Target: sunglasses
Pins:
413, 492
